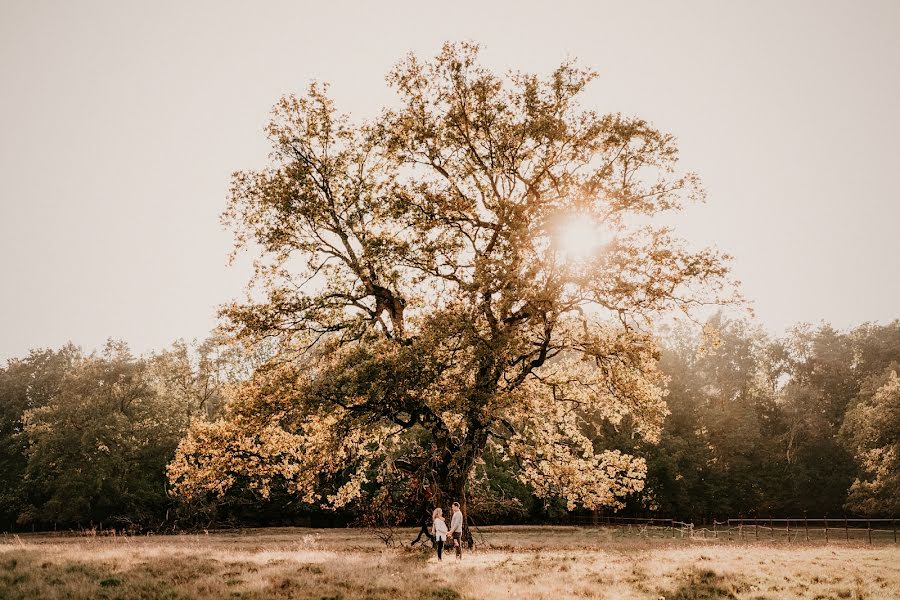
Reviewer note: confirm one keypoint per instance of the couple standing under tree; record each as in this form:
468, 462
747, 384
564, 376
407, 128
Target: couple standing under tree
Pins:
441, 532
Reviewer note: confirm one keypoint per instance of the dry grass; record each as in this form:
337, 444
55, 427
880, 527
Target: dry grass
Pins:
516, 562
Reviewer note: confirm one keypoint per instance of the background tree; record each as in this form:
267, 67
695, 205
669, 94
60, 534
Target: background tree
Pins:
25, 384
763, 426
827, 371
98, 449
872, 431
86, 439
477, 265
193, 377
716, 455
748, 434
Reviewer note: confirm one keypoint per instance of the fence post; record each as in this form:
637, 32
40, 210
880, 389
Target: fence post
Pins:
869, 526
772, 526
756, 528
741, 528
806, 526
826, 529
673, 528
846, 529
716, 533
894, 523
788, 531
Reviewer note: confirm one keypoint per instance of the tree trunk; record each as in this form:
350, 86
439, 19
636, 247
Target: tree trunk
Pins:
458, 494
452, 462
455, 484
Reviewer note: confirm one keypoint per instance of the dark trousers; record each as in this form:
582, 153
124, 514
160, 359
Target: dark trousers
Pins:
440, 548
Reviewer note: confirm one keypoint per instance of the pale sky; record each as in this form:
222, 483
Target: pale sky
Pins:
121, 121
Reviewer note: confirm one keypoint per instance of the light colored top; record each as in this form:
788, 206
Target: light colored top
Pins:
456, 522
440, 529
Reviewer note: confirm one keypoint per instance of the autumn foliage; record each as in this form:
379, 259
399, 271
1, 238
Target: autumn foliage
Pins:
412, 271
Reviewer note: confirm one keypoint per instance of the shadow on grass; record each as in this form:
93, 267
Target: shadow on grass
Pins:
181, 577
704, 584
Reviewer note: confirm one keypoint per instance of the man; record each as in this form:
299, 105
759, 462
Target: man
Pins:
456, 529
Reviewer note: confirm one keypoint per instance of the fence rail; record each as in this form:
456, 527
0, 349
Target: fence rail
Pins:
790, 529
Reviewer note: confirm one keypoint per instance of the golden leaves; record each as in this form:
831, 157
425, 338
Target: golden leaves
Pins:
406, 272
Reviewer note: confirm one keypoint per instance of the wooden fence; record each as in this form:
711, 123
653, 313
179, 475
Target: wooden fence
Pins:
799, 529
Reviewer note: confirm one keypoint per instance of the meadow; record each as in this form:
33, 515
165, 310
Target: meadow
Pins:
511, 562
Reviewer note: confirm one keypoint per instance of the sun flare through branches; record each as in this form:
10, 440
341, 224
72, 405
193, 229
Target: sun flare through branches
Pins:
578, 238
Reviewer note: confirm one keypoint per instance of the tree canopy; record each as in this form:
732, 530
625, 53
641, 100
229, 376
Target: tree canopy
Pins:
417, 273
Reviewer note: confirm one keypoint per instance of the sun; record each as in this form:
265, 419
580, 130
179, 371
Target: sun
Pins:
578, 238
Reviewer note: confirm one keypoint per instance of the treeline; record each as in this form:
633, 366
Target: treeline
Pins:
85, 439
806, 423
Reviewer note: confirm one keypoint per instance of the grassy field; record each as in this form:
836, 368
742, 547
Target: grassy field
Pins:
513, 562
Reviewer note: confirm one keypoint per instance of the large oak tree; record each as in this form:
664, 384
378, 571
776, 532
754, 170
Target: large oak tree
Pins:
477, 266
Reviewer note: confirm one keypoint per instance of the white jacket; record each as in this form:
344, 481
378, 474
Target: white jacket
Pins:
440, 529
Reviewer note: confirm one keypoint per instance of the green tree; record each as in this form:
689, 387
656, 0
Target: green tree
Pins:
25, 384
827, 371
98, 448
193, 377
100, 438
872, 432
718, 451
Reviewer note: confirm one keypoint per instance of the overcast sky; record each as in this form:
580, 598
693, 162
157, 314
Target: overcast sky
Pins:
121, 121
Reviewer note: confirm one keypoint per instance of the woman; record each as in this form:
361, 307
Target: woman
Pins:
440, 531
